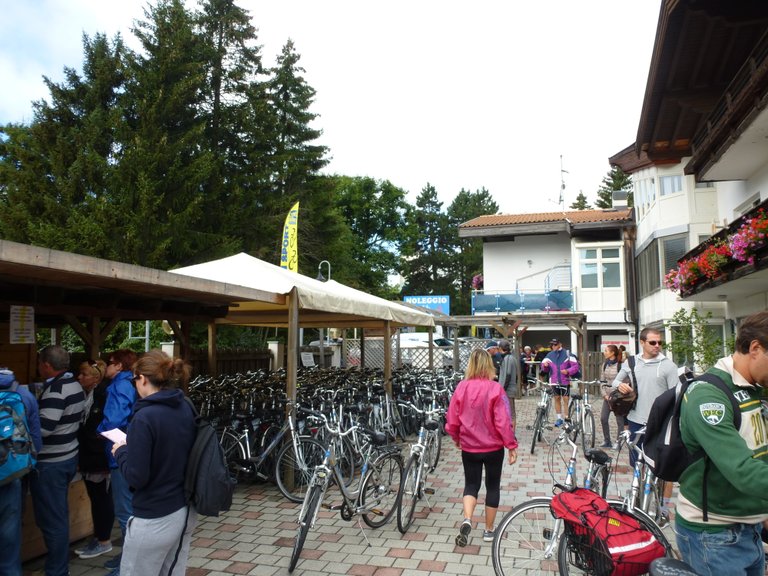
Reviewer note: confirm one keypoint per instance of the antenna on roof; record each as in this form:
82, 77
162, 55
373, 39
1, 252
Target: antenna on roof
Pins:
561, 201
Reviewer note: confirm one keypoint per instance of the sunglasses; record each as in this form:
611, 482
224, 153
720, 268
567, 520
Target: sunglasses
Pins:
655, 342
135, 378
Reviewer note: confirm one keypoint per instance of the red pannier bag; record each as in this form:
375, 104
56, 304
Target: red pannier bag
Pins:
602, 540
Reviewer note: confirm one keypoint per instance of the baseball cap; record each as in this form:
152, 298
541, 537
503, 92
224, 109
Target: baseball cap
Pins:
554, 341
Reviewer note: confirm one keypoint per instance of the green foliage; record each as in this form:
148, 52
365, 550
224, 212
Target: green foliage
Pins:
581, 203
695, 342
614, 180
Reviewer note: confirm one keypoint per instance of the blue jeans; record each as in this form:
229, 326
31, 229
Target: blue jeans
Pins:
49, 485
634, 427
10, 528
122, 497
737, 549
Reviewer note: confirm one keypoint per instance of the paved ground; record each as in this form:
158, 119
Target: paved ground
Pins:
256, 536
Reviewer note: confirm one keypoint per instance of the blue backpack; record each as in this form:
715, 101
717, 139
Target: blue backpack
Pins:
17, 452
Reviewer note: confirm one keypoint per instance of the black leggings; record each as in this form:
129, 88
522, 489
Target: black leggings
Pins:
102, 510
473, 474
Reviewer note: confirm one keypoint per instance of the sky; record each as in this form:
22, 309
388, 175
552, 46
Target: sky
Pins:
488, 94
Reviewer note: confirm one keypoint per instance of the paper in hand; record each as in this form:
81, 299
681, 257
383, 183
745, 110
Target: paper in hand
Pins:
116, 435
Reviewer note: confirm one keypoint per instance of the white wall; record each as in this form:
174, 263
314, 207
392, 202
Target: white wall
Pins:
505, 264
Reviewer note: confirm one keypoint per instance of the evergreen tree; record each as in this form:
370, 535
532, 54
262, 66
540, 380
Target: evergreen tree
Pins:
468, 260
427, 249
614, 180
56, 173
581, 202
164, 168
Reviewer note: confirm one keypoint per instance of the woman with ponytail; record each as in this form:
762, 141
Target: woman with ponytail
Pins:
153, 460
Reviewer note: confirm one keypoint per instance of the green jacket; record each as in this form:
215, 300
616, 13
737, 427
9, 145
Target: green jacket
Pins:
737, 482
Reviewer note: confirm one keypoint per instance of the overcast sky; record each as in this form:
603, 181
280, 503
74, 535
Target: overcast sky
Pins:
489, 93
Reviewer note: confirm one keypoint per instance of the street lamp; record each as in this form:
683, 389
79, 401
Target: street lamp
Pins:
320, 273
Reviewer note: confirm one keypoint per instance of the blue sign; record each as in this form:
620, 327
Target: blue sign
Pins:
439, 303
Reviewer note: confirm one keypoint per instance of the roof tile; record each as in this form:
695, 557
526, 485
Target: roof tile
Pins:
576, 216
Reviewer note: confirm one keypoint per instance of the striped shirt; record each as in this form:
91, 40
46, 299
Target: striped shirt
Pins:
61, 408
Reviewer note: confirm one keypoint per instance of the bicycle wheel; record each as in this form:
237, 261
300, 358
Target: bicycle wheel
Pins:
526, 540
574, 415
234, 453
434, 445
571, 557
588, 430
380, 488
537, 424
410, 493
305, 523
293, 474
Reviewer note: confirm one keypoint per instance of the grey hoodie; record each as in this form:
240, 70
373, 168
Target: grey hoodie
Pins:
654, 376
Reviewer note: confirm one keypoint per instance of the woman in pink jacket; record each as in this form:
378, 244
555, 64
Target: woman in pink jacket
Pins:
479, 421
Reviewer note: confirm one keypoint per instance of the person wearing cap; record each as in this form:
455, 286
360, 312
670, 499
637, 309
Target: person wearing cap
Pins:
561, 365
11, 493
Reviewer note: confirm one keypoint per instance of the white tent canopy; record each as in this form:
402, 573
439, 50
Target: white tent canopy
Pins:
320, 304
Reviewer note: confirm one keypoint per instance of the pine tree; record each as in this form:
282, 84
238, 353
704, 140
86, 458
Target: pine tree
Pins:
57, 173
581, 202
614, 181
427, 250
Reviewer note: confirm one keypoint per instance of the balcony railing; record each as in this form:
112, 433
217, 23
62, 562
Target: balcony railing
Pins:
521, 301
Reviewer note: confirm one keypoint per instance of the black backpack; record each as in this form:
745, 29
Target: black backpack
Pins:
663, 445
208, 484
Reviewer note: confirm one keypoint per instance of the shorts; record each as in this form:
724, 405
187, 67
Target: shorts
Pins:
561, 390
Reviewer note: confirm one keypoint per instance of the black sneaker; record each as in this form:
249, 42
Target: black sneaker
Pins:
464, 530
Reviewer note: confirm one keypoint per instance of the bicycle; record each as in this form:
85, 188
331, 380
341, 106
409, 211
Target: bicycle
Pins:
646, 491
580, 415
530, 540
293, 465
541, 420
375, 498
420, 464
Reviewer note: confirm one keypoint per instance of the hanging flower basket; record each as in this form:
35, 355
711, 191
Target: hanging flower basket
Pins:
743, 246
477, 282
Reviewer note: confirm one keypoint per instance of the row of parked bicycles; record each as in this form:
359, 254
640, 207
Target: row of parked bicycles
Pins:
344, 447
344, 431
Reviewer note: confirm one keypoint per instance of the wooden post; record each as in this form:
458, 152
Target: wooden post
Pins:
212, 360
293, 344
388, 357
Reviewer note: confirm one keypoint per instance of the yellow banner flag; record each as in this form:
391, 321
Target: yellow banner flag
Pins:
289, 255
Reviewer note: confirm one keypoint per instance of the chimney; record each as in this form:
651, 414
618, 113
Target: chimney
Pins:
619, 199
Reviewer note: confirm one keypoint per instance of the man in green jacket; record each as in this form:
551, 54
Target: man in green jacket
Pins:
737, 481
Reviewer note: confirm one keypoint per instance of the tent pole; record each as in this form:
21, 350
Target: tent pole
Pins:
293, 342
388, 357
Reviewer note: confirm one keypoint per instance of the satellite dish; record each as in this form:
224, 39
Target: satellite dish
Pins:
167, 328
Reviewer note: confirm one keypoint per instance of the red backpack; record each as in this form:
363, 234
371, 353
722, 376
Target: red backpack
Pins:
602, 540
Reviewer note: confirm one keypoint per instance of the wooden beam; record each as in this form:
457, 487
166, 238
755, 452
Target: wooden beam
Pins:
212, 365
293, 344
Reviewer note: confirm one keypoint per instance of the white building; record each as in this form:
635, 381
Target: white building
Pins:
700, 162
577, 261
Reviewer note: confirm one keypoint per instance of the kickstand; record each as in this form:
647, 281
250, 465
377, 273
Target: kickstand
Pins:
362, 531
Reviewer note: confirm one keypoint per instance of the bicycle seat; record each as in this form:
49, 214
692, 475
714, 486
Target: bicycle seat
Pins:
670, 567
597, 456
576, 396
431, 425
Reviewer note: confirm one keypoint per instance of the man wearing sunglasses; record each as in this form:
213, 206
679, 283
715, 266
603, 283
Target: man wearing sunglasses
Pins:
651, 374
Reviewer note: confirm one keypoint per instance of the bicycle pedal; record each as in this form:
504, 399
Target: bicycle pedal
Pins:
262, 476
429, 491
376, 511
332, 507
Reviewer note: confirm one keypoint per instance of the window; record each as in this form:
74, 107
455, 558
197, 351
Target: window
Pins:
675, 248
648, 276
670, 185
600, 267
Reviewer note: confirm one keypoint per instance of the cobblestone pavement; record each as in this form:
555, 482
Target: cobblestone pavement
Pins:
256, 536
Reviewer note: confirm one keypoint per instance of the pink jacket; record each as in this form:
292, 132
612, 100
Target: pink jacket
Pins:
479, 417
